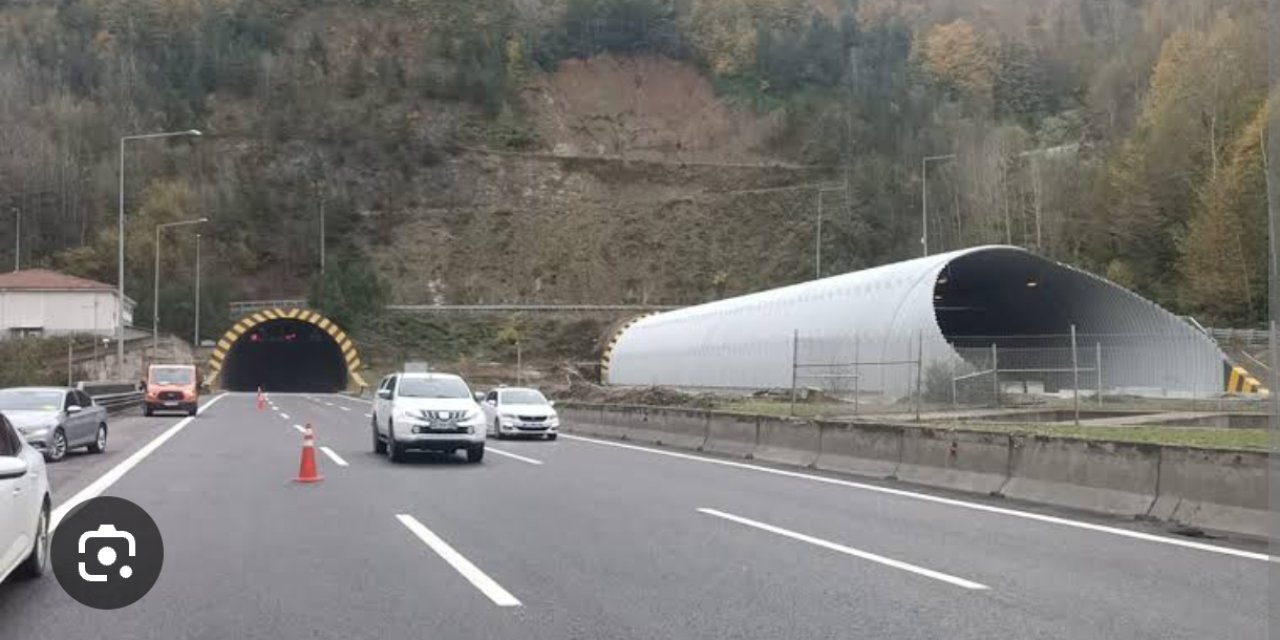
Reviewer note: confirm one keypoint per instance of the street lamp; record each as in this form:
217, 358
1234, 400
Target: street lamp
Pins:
924, 197
817, 242
155, 300
120, 237
195, 334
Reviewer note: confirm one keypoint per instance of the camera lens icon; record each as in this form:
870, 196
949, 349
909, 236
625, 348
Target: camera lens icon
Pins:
107, 553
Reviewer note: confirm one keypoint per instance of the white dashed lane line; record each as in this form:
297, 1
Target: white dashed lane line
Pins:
333, 456
514, 456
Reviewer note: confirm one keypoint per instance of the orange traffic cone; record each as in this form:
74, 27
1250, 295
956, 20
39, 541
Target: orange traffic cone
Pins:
307, 470
262, 400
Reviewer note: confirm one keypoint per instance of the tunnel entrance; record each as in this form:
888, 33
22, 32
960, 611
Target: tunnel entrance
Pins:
285, 355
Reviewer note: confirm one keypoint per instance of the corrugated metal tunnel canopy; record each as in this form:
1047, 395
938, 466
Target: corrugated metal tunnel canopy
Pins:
950, 308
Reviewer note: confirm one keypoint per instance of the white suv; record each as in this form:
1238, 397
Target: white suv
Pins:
426, 412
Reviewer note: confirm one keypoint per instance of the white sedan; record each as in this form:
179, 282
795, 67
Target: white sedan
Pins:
518, 411
24, 506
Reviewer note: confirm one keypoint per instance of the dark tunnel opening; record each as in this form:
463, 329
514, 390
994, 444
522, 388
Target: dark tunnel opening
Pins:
285, 355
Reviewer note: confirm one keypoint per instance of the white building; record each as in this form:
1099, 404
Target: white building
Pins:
35, 302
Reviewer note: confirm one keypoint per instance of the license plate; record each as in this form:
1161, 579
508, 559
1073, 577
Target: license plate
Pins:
171, 403
443, 426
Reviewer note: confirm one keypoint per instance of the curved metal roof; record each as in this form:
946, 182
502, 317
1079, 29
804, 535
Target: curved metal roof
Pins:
942, 307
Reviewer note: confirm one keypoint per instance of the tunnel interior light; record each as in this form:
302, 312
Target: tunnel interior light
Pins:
1031, 283
942, 279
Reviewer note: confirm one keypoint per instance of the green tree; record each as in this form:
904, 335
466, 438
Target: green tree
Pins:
350, 292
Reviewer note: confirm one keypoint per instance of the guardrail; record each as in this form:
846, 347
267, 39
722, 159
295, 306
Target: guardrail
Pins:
115, 402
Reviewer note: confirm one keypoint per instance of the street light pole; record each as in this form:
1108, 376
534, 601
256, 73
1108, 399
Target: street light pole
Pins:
817, 240
120, 238
196, 333
17, 238
155, 299
924, 198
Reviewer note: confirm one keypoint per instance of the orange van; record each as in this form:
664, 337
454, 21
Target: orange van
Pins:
172, 387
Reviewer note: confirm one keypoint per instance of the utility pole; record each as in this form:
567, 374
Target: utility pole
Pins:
155, 299
924, 197
322, 234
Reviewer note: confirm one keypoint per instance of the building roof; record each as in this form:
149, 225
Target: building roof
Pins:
46, 280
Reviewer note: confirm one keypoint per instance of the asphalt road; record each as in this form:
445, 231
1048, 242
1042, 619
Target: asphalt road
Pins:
592, 539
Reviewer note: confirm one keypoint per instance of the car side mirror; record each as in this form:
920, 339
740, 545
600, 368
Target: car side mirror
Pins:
479, 396
12, 467
552, 403
74, 408
385, 394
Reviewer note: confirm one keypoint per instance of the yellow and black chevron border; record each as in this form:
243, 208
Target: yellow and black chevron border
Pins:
250, 321
606, 359
1239, 381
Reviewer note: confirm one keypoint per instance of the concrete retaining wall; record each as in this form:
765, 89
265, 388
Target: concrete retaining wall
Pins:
1107, 477
1210, 489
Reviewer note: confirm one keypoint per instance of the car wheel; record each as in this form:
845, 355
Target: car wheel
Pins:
99, 443
148, 411
57, 446
379, 446
192, 410
497, 430
394, 452
36, 563
551, 437
475, 453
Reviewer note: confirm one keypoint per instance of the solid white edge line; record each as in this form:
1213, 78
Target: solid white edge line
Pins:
95, 488
299, 428
472, 573
513, 455
1027, 515
337, 459
857, 553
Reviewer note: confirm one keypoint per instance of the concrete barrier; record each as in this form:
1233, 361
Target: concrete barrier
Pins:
862, 449
590, 420
683, 428
972, 461
731, 434
793, 442
1217, 490
1104, 477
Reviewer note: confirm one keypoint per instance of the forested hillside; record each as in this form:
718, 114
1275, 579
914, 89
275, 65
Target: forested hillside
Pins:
634, 150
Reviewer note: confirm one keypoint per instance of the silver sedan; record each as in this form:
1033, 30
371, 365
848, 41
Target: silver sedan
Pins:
55, 419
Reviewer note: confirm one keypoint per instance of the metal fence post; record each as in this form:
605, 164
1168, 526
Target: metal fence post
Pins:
919, 370
995, 374
1097, 368
1075, 375
857, 374
795, 350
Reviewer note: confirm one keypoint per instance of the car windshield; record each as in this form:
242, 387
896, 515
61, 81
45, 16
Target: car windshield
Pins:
433, 388
30, 400
523, 396
171, 375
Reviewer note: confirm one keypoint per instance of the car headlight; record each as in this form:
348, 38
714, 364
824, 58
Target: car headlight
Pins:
472, 418
36, 431
409, 416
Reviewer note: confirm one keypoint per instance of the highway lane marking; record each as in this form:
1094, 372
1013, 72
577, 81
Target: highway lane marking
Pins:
299, 428
1026, 515
368, 415
284, 415
328, 404
345, 408
513, 455
95, 488
337, 459
857, 553
471, 572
